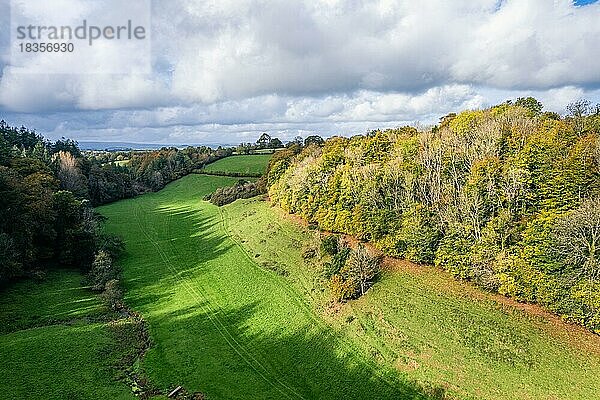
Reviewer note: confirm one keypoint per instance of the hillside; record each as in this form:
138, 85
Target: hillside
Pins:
429, 327
507, 197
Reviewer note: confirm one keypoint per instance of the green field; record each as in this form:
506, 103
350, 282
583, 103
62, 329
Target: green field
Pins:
235, 312
50, 345
423, 323
222, 325
246, 164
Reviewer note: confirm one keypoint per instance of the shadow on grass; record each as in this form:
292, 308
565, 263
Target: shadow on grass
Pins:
237, 345
229, 359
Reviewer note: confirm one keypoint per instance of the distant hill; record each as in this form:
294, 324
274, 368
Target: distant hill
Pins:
115, 146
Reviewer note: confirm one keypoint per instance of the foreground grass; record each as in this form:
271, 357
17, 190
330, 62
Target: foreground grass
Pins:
222, 325
249, 164
50, 346
424, 324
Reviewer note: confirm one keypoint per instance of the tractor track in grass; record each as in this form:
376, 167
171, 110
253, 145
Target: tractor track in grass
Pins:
213, 315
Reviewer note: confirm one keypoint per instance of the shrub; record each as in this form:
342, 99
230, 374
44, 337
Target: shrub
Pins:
241, 190
309, 251
341, 289
337, 262
103, 270
112, 244
112, 295
330, 244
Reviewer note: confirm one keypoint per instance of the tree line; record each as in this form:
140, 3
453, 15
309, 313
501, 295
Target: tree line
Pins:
48, 191
507, 197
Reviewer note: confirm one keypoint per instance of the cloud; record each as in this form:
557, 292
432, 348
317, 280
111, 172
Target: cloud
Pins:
236, 66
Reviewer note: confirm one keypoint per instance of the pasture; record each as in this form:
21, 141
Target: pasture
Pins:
55, 342
252, 165
427, 326
221, 324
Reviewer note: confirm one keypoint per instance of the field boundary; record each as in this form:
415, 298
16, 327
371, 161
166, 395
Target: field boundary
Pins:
392, 264
227, 174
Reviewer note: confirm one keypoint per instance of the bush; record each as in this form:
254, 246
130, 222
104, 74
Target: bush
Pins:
337, 262
330, 244
112, 295
111, 244
103, 270
341, 289
242, 190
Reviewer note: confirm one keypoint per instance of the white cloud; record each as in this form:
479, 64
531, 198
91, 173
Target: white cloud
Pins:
240, 66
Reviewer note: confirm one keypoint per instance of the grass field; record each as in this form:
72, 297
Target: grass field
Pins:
250, 164
222, 325
422, 323
50, 346
235, 312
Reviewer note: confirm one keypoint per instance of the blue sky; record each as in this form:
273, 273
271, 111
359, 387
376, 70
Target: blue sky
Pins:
225, 70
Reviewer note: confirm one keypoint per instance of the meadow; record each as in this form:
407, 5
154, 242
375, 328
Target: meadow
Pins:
429, 327
56, 343
221, 324
253, 165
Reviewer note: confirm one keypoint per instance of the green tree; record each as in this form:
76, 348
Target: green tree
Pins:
263, 141
530, 103
314, 139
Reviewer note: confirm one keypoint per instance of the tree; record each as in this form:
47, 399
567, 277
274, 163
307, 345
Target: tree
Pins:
102, 271
361, 268
10, 265
70, 175
314, 139
263, 141
577, 239
5, 151
297, 140
75, 244
66, 145
275, 143
530, 103
577, 111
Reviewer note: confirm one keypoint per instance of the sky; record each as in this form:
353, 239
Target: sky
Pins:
223, 71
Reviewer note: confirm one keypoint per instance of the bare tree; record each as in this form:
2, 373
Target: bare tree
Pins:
577, 238
577, 111
362, 267
69, 174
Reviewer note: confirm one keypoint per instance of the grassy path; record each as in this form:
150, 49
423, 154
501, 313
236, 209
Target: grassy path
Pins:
221, 324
